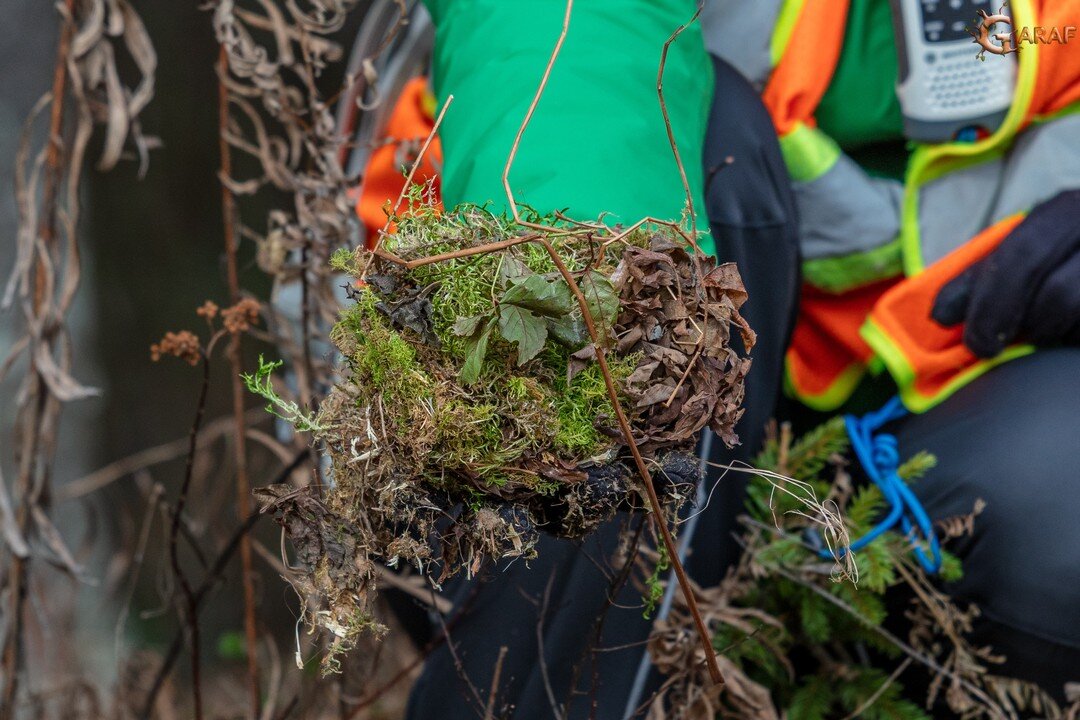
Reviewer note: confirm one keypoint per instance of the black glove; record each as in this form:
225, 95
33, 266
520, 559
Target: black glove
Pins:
1027, 289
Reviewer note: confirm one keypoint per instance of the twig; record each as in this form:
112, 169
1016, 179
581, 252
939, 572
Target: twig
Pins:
667, 118
405, 188
889, 637
191, 617
156, 491
858, 712
556, 711
458, 665
431, 646
532, 109
120, 469
212, 575
489, 712
615, 585
243, 485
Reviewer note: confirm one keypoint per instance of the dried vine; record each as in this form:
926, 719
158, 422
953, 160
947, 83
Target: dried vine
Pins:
87, 90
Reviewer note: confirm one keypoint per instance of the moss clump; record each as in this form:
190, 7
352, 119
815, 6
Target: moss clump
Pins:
471, 413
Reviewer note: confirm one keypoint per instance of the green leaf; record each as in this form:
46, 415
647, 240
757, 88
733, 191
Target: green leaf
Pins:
568, 329
783, 551
466, 326
916, 466
541, 296
810, 454
261, 384
513, 271
601, 299
864, 508
869, 607
475, 351
869, 692
521, 326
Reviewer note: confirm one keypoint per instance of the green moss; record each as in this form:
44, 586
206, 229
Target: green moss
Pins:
509, 413
343, 260
379, 355
584, 399
469, 434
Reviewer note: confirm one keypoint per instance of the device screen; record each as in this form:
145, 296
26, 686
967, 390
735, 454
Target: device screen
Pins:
949, 20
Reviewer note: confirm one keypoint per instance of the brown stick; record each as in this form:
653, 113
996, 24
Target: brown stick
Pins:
405, 188
191, 604
601, 359
243, 484
532, 109
489, 712
213, 575
639, 461
667, 118
412, 170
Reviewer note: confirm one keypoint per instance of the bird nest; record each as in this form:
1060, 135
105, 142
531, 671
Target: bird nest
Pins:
472, 412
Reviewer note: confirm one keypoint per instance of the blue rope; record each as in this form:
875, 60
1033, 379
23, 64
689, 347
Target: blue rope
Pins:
880, 458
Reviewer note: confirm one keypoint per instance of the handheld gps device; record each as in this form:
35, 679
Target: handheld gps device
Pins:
943, 88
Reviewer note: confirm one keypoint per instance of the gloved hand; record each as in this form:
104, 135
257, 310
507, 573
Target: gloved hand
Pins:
1027, 289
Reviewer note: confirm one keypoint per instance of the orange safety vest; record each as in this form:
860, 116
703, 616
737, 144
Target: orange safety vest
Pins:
883, 249
411, 121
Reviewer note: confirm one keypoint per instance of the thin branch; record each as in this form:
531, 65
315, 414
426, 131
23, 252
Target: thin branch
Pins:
120, 469
667, 117
889, 637
557, 712
212, 576
489, 712
858, 712
458, 665
531, 110
405, 188
190, 614
432, 645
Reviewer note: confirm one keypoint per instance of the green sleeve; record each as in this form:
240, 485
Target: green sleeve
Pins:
597, 142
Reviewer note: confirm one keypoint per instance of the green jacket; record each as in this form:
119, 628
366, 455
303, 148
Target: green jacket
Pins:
597, 142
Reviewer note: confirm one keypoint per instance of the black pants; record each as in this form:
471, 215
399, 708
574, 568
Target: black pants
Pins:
1011, 438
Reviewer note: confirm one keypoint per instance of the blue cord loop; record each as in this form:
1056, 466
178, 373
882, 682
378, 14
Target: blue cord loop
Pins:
881, 458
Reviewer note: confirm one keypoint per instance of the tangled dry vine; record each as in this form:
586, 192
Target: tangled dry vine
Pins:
94, 36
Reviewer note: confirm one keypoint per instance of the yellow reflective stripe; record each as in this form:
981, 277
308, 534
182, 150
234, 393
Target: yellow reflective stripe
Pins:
839, 274
1072, 109
785, 25
903, 373
428, 102
923, 160
808, 152
832, 398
